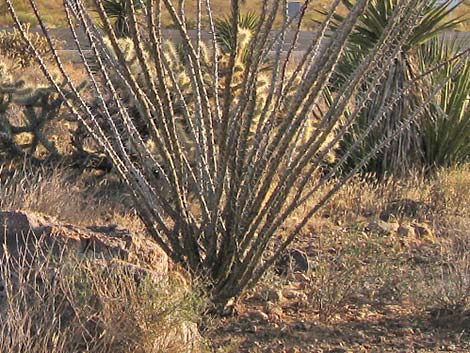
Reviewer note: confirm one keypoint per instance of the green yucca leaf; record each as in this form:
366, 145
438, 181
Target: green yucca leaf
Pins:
223, 27
118, 8
446, 133
433, 22
120, 12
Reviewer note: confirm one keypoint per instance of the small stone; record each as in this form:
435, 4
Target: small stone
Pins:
274, 311
422, 231
293, 294
337, 350
384, 227
275, 295
389, 227
406, 231
301, 278
294, 260
258, 315
252, 329
302, 326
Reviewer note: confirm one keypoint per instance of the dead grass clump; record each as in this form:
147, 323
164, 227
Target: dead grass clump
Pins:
351, 264
443, 288
45, 191
77, 198
368, 197
350, 259
441, 200
451, 201
61, 303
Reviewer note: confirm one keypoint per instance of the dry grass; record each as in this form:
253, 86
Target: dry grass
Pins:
440, 203
33, 76
350, 255
67, 195
351, 263
53, 12
61, 303
442, 200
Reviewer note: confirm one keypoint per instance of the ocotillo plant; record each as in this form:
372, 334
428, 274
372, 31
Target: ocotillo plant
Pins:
226, 200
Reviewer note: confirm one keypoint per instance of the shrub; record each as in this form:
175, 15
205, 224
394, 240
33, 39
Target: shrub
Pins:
250, 167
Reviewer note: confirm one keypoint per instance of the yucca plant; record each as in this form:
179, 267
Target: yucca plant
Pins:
446, 131
405, 153
118, 10
218, 207
223, 26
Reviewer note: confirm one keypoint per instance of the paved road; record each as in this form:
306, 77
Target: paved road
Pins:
69, 49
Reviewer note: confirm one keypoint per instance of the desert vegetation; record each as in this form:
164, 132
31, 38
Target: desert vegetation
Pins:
291, 189
53, 12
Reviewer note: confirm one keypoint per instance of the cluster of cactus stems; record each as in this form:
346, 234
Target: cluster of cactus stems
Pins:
178, 63
224, 137
38, 109
27, 111
14, 47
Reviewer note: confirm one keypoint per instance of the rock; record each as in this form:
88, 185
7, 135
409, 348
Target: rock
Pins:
294, 294
108, 248
20, 231
406, 231
403, 208
274, 311
383, 227
301, 326
257, 315
422, 231
274, 295
293, 261
337, 350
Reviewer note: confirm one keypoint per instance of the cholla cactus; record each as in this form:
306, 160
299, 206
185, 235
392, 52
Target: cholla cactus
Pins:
14, 47
177, 62
248, 169
22, 133
4, 75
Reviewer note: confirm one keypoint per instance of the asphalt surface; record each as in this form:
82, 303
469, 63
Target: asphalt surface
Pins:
69, 49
